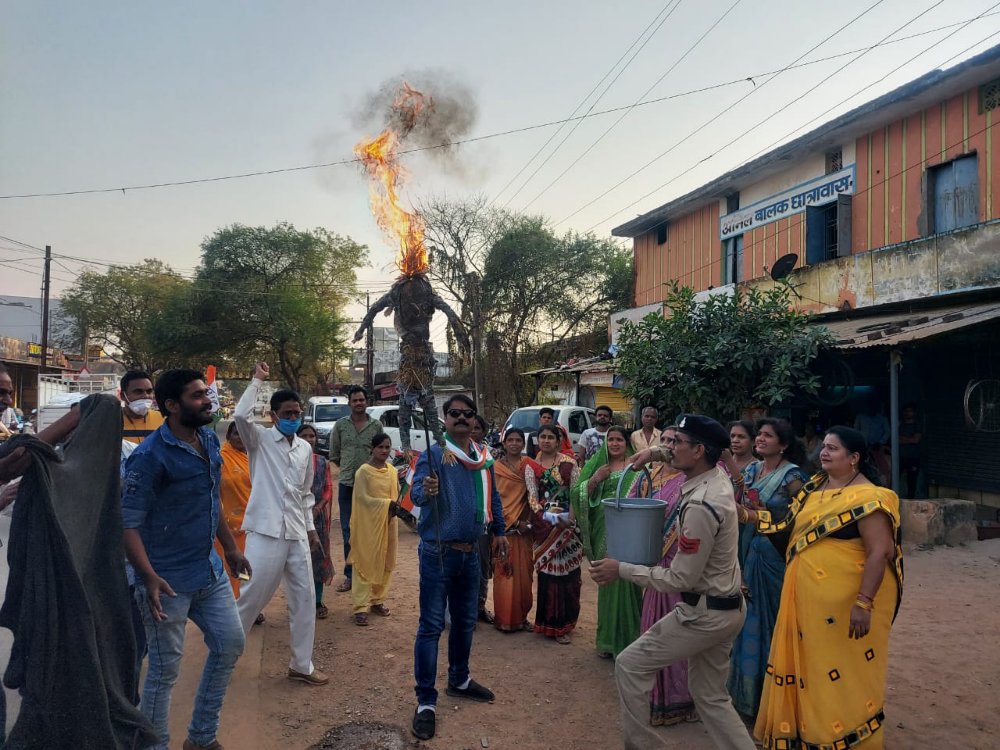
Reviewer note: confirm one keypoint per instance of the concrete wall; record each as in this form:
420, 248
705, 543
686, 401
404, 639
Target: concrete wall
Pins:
964, 260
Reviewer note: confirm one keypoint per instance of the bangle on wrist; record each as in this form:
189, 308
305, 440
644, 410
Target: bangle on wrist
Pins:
862, 604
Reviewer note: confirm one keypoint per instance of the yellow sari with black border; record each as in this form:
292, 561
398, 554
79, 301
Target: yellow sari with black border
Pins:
824, 690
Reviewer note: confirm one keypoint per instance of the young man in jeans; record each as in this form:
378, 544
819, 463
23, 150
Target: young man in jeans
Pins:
457, 494
171, 514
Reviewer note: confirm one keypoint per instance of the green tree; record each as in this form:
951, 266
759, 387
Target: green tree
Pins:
278, 294
125, 310
722, 355
539, 288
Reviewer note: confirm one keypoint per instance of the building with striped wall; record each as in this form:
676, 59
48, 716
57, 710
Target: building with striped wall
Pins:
892, 214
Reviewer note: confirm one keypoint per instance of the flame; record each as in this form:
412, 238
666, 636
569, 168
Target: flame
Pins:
379, 156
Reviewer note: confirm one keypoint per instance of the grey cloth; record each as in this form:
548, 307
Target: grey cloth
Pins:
67, 601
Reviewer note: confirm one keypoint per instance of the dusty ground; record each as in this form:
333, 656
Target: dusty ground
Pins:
942, 686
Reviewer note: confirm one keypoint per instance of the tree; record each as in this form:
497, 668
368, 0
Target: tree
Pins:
126, 310
722, 355
539, 288
289, 288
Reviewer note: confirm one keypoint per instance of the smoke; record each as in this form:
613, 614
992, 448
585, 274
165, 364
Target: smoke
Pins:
450, 117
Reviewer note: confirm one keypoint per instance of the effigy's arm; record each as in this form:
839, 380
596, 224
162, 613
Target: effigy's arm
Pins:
386, 300
456, 323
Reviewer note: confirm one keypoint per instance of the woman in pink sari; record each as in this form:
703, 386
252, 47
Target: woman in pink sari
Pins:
669, 700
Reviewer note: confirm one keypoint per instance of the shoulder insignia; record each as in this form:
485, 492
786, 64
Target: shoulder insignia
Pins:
688, 545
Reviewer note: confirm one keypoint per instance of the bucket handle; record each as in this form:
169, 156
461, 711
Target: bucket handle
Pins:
618, 492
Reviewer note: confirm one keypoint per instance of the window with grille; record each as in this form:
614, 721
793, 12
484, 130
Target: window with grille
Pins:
834, 161
989, 96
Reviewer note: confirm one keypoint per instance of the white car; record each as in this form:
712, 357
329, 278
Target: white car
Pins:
573, 419
389, 417
322, 412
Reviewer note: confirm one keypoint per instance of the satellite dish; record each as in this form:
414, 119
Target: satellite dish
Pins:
783, 266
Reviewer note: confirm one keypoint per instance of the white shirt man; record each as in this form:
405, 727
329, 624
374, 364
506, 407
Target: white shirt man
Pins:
279, 521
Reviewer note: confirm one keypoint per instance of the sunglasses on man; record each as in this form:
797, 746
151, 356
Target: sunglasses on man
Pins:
456, 413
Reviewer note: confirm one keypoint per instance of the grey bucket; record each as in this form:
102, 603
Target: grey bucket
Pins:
634, 526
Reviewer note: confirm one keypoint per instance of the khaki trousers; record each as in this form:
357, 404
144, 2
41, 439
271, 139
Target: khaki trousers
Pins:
705, 638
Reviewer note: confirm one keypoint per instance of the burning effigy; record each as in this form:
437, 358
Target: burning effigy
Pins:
411, 299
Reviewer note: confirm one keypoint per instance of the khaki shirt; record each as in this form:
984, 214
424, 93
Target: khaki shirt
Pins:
706, 561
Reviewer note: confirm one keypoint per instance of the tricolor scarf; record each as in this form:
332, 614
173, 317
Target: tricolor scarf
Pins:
480, 464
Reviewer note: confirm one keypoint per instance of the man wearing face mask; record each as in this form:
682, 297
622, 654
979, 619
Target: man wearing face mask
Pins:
139, 417
279, 520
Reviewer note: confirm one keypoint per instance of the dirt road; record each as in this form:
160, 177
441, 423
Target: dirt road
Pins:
942, 687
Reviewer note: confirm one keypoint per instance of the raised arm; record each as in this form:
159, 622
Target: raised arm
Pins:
243, 414
386, 300
456, 323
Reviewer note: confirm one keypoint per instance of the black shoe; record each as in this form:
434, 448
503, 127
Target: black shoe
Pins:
474, 691
423, 724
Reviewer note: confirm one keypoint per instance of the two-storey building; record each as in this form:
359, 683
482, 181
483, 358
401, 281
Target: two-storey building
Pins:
892, 214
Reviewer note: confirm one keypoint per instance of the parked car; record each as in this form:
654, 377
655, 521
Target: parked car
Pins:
322, 412
574, 419
389, 417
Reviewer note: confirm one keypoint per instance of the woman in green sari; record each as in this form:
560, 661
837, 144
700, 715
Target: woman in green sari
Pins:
619, 606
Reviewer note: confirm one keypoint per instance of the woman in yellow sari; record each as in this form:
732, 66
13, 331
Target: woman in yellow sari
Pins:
512, 575
374, 531
235, 492
826, 672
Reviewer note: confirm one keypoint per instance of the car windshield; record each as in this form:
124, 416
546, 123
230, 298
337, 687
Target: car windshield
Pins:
331, 412
524, 419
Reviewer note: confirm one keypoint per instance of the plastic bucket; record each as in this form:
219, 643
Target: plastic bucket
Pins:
634, 527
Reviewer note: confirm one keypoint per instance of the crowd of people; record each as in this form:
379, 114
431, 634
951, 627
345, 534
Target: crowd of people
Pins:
814, 575
772, 601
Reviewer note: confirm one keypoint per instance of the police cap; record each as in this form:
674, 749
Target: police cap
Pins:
703, 429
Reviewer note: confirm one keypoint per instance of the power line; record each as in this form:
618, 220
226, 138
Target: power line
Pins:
628, 111
798, 98
559, 145
488, 136
722, 113
580, 105
875, 83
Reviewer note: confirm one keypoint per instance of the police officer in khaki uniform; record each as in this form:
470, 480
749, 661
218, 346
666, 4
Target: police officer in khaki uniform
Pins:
706, 573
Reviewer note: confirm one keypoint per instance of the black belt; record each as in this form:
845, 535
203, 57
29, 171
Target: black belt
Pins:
459, 546
712, 602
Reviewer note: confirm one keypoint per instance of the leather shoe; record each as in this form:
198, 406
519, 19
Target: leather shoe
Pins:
214, 745
473, 691
316, 678
424, 723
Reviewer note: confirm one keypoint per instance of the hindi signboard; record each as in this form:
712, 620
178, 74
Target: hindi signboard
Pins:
796, 200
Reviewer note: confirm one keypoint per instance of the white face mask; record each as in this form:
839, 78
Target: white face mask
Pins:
141, 406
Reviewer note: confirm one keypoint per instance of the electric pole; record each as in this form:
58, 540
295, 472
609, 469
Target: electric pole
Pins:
473, 293
369, 352
46, 285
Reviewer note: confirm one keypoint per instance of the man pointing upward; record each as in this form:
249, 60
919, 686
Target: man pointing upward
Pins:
279, 520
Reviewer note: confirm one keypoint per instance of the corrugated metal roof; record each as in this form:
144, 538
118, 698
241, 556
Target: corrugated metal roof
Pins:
595, 364
893, 329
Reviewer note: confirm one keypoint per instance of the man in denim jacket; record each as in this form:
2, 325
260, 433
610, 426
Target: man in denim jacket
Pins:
171, 514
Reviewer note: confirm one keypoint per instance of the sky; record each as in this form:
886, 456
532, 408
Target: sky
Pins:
104, 95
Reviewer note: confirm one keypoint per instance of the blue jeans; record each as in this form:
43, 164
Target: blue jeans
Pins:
139, 628
213, 610
456, 587
345, 497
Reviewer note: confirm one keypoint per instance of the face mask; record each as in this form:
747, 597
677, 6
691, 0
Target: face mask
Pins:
289, 426
141, 406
